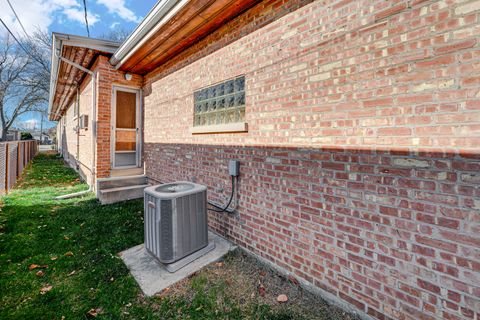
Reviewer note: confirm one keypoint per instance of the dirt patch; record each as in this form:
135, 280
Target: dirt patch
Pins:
249, 282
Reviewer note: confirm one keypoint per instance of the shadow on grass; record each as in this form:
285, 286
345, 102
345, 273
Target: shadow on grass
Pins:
75, 243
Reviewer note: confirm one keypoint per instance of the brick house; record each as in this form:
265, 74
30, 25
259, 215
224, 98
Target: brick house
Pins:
357, 125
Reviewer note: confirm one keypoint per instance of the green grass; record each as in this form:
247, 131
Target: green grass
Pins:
36, 229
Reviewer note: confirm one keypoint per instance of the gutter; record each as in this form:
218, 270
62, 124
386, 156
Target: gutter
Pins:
160, 14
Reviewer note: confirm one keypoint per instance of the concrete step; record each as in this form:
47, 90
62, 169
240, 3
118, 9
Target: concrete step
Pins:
126, 172
118, 194
118, 182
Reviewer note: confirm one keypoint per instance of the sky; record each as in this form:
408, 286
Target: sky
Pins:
67, 16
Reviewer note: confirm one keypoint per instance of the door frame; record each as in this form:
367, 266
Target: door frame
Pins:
138, 119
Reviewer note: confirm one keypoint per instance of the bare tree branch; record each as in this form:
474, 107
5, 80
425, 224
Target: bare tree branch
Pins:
117, 35
24, 78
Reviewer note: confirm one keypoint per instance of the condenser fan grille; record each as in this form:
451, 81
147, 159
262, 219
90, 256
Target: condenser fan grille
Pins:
174, 187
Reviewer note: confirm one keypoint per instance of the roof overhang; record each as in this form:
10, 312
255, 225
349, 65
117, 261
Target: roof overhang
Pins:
64, 77
171, 27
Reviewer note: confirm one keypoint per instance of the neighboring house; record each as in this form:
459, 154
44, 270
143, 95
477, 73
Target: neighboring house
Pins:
356, 124
13, 135
43, 139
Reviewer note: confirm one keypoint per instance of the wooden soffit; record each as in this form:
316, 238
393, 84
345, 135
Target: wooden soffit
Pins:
193, 22
71, 54
70, 77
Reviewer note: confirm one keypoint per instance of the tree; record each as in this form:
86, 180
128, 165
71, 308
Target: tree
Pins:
24, 78
26, 136
117, 35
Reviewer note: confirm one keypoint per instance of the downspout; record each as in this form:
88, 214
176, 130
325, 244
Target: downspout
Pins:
94, 126
77, 106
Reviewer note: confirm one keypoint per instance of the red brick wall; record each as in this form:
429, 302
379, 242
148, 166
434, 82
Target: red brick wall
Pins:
360, 168
107, 78
391, 233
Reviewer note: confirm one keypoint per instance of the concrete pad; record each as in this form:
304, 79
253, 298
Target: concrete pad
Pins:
153, 277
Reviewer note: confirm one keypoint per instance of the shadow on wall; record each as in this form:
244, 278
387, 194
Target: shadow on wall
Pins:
64, 144
70, 158
382, 230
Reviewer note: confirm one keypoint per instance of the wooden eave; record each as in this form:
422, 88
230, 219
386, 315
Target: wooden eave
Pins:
193, 22
69, 77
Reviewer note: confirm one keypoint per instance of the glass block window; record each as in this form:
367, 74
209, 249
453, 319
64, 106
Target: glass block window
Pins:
221, 103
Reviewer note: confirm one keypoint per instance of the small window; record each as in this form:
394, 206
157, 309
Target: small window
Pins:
220, 104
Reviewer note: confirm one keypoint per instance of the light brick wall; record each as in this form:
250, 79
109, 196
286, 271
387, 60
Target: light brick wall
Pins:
70, 137
360, 168
85, 138
77, 147
342, 73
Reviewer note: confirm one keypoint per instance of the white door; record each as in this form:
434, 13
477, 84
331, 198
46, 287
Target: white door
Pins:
126, 140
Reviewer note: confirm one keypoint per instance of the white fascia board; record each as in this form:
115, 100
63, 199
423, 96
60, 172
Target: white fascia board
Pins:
161, 13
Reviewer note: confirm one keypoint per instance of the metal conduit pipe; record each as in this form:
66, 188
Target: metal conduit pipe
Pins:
94, 125
77, 130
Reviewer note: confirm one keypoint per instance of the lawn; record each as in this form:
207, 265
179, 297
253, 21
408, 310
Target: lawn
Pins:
58, 260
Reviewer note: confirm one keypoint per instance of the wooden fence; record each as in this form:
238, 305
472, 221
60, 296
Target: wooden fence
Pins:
14, 157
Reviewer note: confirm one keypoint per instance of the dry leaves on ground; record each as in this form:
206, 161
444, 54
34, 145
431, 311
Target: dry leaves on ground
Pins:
45, 289
40, 273
282, 298
33, 266
163, 293
92, 313
261, 290
37, 266
68, 254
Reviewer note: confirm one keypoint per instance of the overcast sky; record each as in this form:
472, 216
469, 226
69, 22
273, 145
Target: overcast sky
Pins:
67, 16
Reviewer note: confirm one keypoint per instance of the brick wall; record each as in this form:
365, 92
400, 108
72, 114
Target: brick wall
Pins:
77, 147
360, 167
85, 138
107, 78
392, 233
352, 73
70, 137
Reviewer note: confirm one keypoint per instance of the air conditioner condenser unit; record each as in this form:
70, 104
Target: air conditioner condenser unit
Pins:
176, 226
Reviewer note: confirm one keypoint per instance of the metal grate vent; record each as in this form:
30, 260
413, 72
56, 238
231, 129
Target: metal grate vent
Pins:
166, 235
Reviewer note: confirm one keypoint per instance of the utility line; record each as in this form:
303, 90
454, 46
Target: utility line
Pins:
86, 16
18, 19
20, 44
14, 37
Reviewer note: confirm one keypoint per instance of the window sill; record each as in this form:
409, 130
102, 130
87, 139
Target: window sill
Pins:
221, 128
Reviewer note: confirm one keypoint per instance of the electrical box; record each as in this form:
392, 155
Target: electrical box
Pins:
84, 121
234, 168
